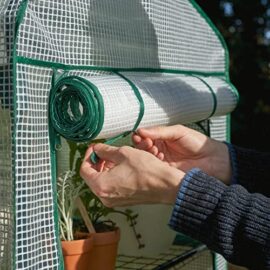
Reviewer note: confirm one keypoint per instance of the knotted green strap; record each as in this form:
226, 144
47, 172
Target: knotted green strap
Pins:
76, 110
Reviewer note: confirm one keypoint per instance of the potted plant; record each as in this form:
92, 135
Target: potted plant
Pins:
84, 216
76, 248
105, 234
93, 216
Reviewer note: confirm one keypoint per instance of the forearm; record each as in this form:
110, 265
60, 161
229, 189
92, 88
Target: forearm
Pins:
250, 169
228, 219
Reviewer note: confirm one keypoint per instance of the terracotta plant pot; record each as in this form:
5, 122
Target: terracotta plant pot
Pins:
103, 255
76, 253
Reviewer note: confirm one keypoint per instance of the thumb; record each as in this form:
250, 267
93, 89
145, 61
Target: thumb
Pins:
163, 133
108, 152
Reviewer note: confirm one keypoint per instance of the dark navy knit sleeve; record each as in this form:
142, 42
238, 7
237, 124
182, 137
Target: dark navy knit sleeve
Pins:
250, 169
228, 219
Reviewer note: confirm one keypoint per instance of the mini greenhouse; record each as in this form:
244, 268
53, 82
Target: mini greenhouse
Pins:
95, 69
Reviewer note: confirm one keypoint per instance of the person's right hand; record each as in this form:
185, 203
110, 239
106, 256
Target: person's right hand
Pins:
185, 148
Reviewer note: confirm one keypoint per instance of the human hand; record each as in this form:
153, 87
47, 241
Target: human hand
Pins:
185, 148
128, 176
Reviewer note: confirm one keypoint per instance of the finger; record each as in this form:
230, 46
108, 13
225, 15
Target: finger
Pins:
108, 153
160, 156
109, 164
153, 150
162, 132
100, 167
97, 166
145, 144
136, 139
88, 171
88, 152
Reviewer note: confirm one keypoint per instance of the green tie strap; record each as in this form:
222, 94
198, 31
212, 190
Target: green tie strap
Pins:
76, 109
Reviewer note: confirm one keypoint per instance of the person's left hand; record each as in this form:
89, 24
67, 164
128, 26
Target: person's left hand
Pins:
128, 176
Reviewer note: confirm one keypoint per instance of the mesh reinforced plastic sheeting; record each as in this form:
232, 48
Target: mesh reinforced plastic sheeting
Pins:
149, 62
167, 99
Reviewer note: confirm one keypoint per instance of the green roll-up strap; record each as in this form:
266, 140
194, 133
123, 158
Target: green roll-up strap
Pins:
213, 95
139, 97
76, 110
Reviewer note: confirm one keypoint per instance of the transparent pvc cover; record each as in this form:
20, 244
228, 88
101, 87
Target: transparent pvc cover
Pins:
168, 51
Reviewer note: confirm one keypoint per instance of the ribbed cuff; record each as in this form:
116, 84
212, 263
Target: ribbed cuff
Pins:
234, 165
228, 219
197, 198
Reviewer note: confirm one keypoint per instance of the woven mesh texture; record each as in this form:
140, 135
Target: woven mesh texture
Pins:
146, 33
167, 98
35, 229
7, 24
147, 40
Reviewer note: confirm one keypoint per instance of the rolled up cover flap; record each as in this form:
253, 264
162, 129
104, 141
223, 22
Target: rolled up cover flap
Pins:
84, 108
